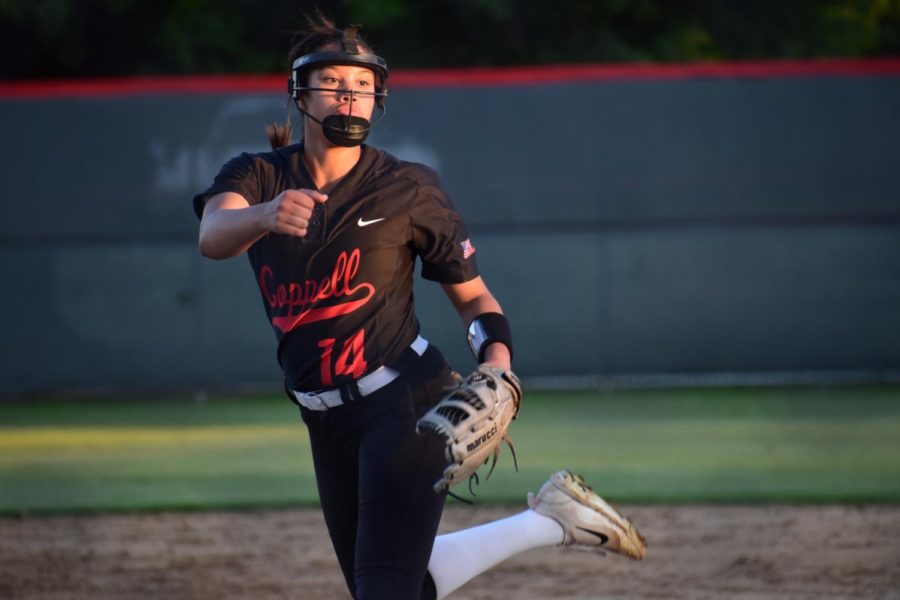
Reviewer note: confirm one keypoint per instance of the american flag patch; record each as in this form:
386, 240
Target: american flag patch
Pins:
468, 248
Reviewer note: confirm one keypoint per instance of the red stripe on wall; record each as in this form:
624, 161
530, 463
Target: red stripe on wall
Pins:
644, 71
467, 77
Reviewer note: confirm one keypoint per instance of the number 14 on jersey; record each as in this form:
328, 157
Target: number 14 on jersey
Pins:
350, 360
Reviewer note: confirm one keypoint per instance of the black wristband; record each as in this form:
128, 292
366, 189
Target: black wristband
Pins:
486, 329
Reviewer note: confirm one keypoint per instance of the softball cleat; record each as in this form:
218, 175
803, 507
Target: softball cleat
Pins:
585, 517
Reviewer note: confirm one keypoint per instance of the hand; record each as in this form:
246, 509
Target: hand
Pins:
289, 211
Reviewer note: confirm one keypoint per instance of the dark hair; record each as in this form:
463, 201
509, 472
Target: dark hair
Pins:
320, 33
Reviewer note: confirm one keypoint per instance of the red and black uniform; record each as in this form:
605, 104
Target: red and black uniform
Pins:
340, 301
346, 289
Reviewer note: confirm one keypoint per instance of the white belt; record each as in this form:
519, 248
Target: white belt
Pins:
368, 384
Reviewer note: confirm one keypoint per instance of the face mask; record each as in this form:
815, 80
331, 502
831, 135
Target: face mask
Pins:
340, 130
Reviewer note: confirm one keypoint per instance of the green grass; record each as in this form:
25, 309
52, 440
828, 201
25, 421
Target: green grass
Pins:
839, 444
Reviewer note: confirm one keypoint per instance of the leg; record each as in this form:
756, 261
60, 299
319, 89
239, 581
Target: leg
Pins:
399, 515
453, 562
399, 511
566, 511
336, 477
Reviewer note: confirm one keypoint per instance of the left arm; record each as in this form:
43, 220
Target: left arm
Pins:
471, 299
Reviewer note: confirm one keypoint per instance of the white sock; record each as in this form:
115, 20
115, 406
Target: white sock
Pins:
459, 556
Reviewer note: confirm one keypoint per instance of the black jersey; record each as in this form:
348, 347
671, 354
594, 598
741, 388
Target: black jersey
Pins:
341, 299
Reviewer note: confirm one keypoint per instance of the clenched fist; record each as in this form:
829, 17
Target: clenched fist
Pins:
289, 212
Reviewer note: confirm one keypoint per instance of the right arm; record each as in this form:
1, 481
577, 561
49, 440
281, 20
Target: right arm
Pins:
230, 225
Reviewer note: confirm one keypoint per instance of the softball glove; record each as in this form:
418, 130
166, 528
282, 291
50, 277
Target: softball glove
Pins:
473, 420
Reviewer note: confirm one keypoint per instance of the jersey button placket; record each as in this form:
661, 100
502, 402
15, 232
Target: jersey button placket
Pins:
315, 230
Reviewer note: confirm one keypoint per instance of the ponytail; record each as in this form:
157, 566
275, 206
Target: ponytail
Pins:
280, 134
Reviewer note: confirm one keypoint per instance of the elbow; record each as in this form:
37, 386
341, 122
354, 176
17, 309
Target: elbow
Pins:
212, 244
216, 251
208, 249
206, 252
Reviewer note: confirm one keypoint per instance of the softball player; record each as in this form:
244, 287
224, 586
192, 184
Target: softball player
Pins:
332, 228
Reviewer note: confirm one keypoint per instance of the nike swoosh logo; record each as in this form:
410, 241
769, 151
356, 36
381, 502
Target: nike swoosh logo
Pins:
603, 538
362, 223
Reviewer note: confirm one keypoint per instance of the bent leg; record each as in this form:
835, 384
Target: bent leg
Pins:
453, 562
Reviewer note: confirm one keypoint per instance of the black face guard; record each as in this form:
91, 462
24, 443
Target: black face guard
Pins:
346, 130
342, 130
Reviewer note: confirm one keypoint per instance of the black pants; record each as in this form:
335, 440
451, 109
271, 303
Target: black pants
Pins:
375, 478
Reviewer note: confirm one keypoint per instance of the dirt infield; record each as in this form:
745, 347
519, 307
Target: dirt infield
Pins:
771, 552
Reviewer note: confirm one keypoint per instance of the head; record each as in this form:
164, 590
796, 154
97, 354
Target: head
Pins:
337, 82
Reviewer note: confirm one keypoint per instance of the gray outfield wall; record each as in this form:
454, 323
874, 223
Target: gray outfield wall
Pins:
630, 228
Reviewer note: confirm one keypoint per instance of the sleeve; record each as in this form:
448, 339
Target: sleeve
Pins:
441, 239
239, 175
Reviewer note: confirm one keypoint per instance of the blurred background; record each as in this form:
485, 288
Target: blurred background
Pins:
60, 38
660, 193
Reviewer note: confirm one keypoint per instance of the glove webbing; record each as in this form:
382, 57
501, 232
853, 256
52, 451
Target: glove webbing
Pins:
474, 476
